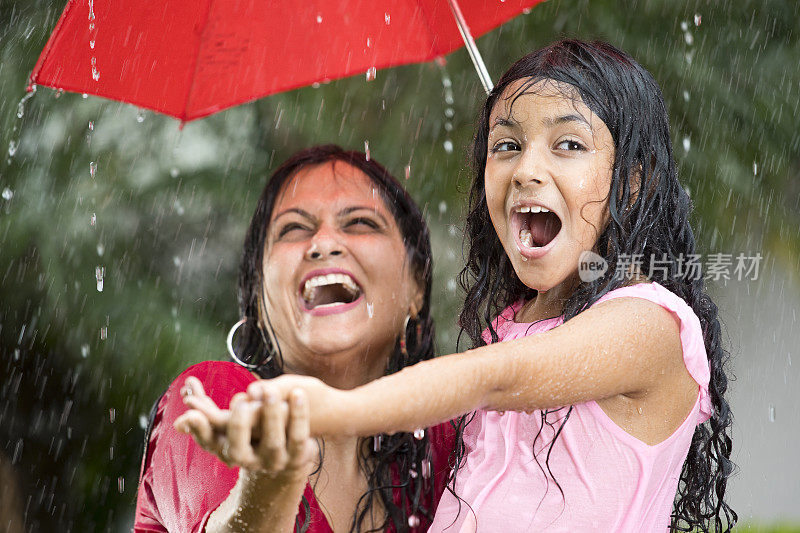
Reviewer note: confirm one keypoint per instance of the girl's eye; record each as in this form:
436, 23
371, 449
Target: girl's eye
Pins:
570, 145
506, 146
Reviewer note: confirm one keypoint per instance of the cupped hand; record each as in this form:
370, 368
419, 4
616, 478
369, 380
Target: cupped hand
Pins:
266, 433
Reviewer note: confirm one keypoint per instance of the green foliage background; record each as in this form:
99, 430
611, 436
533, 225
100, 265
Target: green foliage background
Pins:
171, 209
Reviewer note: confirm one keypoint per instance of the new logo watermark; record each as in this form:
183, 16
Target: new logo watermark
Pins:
591, 266
715, 267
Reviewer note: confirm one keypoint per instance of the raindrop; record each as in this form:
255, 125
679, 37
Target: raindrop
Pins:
319, 19
12, 147
376, 442
103, 333
121, 484
771, 412
93, 219
21, 104
91, 10
101, 249
448, 126
8, 194
408, 171
176, 261
419, 433
99, 273
369, 42
92, 168
142, 421
448, 112
447, 82
174, 172
91, 125
687, 143
58, 93
448, 99
413, 521
112, 415
526, 11
412, 473
95, 72
140, 116
366, 149
697, 19
448, 146
442, 207
17, 452
685, 96
426, 467
387, 18
84, 96
372, 72
684, 25
755, 168
688, 38
85, 351
451, 285
179, 208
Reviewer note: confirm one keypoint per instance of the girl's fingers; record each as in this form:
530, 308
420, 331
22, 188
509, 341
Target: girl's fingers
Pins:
272, 447
298, 431
197, 425
244, 415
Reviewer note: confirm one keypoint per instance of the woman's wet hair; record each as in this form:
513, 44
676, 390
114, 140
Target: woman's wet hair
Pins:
255, 344
649, 215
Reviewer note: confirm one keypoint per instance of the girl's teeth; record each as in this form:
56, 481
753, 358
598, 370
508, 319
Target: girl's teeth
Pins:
525, 238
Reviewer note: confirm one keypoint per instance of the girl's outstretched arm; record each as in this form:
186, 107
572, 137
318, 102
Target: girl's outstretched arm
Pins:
622, 346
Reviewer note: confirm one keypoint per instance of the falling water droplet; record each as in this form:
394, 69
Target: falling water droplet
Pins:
91, 125
95, 72
366, 149
451, 285
91, 10
319, 19
688, 38
413, 521
121, 484
8, 194
84, 96
369, 42
174, 172
413, 473
771, 412
93, 219
99, 272
387, 18
92, 169
142, 421
697, 19
755, 168
12, 147
21, 104
103, 333
448, 146
140, 116
442, 207
684, 25
687, 144
685, 96
112, 415
426, 467
85, 351
408, 171
100, 249
376, 443
91, 45
419, 433
372, 72
58, 93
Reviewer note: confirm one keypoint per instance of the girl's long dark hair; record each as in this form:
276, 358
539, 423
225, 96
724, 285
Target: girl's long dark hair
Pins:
385, 459
649, 216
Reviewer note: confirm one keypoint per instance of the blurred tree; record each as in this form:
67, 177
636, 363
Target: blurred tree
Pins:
157, 214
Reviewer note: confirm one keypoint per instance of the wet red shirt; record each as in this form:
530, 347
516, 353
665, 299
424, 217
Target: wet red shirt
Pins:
182, 484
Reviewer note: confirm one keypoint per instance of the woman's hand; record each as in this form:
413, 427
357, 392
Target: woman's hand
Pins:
267, 433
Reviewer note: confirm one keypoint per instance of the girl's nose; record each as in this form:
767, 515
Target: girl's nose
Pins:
529, 171
324, 244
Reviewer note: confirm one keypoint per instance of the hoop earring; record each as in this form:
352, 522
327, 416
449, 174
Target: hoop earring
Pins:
238, 361
403, 347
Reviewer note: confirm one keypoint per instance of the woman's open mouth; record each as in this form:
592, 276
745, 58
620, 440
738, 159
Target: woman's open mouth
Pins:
329, 291
535, 228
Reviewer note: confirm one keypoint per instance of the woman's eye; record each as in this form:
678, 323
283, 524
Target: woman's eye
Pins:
506, 146
289, 228
570, 145
363, 222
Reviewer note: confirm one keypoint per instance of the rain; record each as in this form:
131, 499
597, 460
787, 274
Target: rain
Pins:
121, 229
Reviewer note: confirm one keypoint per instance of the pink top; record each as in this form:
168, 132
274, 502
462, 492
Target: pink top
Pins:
611, 481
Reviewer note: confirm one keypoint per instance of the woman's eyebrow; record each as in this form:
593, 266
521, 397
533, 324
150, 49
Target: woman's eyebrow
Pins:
304, 214
348, 210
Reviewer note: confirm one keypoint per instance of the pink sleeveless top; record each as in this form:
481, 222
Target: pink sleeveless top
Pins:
609, 480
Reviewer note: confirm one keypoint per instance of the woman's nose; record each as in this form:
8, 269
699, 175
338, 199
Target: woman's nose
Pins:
324, 244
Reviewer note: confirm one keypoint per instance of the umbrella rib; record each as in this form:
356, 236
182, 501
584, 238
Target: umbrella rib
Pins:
472, 48
190, 90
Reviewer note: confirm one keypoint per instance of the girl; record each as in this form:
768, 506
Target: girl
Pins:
597, 395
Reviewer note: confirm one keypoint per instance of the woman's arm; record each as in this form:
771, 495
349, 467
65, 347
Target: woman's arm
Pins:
616, 347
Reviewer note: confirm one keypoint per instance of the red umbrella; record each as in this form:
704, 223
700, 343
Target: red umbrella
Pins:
191, 58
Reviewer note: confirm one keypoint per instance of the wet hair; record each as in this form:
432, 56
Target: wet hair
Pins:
400, 453
649, 215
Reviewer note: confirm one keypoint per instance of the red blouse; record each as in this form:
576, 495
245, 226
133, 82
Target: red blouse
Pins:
182, 484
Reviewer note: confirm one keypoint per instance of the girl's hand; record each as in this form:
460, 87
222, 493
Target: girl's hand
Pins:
268, 435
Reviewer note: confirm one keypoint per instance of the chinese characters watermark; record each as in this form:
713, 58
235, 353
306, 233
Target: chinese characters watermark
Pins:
692, 267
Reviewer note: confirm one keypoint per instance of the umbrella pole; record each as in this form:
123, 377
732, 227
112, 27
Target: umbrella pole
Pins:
472, 48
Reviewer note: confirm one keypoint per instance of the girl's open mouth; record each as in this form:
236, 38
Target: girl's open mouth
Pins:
534, 228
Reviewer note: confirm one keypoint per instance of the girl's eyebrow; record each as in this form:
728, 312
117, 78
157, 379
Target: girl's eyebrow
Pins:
503, 121
564, 119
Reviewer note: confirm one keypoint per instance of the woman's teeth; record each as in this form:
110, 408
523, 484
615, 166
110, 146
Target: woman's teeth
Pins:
310, 287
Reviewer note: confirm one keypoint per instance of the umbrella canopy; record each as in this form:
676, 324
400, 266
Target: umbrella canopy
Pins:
191, 58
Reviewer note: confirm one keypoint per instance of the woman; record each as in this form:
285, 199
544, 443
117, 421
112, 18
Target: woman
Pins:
334, 283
